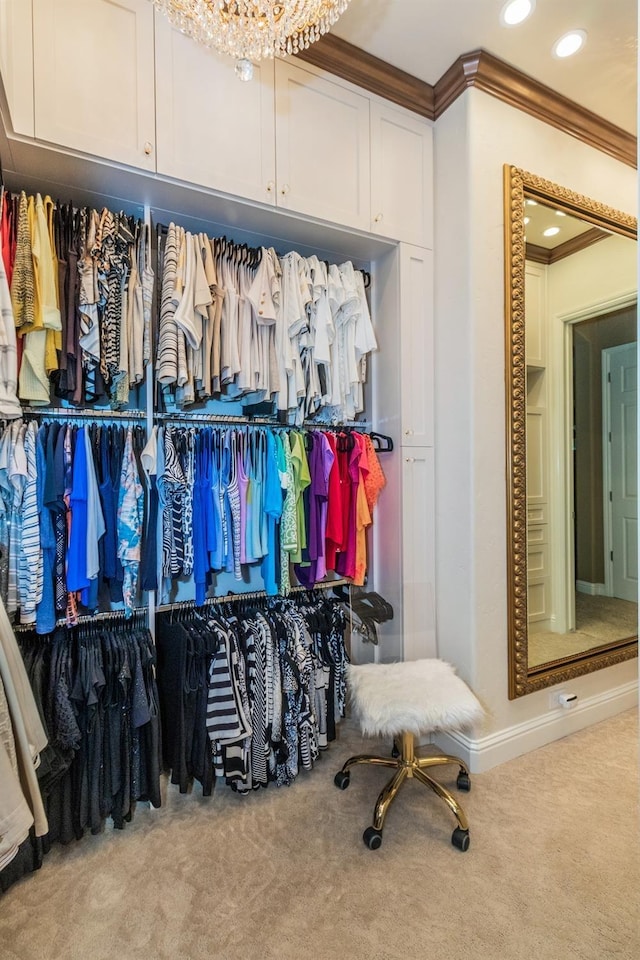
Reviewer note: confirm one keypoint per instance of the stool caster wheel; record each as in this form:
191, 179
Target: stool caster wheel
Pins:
341, 780
460, 839
463, 782
372, 838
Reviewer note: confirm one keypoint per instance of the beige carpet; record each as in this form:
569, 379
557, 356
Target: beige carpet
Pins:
551, 874
599, 620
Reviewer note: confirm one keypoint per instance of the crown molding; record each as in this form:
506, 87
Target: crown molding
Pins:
549, 255
355, 65
477, 69
575, 244
487, 73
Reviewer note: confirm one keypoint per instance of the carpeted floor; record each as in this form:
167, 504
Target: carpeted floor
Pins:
599, 620
551, 874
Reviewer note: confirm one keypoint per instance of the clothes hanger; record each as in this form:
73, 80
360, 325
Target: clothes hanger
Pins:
351, 440
381, 442
342, 593
380, 609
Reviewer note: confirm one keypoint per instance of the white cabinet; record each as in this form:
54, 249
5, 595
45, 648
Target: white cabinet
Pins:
417, 438
322, 136
402, 405
212, 129
401, 175
287, 138
16, 63
418, 553
416, 346
94, 77
403, 554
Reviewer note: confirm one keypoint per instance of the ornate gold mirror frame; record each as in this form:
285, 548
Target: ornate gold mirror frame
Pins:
518, 185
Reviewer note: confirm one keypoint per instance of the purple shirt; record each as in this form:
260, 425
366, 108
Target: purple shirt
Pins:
321, 459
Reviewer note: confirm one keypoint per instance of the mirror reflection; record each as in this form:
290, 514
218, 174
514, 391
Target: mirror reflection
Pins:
581, 430
571, 291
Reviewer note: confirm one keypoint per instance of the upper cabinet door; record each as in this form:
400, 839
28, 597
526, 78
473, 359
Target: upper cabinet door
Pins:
16, 62
401, 176
322, 132
213, 129
94, 77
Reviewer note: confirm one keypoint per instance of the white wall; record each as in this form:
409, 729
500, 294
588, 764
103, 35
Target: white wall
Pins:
473, 140
455, 580
599, 274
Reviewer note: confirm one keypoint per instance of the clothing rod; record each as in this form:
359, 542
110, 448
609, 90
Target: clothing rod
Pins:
351, 424
250, 595
217, 418
70, 413
257, 421
162, 229
102, 617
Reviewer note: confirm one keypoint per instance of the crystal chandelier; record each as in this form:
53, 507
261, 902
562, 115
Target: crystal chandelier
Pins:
253, 29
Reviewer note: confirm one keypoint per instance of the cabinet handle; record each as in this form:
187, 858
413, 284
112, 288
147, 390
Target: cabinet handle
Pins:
148, 148
377, 218
270, 186
285, 189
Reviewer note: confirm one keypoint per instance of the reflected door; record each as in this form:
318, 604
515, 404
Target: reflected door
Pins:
621, 382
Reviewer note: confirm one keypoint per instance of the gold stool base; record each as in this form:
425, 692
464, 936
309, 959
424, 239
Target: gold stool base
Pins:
405, 765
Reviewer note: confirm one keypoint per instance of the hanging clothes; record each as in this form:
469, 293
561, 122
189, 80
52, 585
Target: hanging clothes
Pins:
130, 523
250, 691
22, 740
81, 290
284, 501
95, 688
251, 326
9, 403
72, 519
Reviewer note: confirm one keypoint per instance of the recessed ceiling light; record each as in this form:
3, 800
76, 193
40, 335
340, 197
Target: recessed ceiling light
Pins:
550, 231
560, 213
526, 220
516, 11
531, 203
569, 44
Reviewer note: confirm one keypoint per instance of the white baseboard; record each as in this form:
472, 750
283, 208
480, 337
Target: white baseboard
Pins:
593, 589
484, 753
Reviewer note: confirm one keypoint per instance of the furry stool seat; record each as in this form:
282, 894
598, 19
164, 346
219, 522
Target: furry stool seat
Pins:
403, 701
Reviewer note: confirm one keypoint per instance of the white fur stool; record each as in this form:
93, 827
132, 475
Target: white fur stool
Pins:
403, 701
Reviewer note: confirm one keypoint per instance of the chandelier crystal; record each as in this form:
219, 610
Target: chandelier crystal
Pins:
252, 30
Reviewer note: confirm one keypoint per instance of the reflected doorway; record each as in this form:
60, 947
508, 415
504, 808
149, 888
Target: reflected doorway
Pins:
601, 503
605, 476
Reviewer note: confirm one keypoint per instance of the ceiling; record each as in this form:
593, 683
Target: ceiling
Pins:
539, 217
424, 37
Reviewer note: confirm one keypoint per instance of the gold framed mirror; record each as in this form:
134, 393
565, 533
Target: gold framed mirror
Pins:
571, 425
